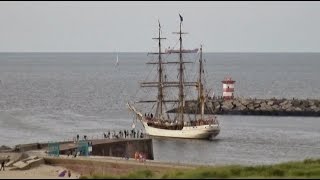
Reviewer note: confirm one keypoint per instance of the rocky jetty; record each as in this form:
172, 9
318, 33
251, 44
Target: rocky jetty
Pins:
271, 107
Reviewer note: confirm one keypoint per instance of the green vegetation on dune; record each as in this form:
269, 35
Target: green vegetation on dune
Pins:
309, 168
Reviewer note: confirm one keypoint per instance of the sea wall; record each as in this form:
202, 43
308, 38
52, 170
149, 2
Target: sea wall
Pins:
114, 147
123, 148
250, 106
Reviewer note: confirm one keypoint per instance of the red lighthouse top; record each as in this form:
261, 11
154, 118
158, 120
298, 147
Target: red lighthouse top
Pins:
228, 80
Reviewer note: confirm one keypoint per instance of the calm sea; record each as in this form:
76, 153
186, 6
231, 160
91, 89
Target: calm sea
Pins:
54, 96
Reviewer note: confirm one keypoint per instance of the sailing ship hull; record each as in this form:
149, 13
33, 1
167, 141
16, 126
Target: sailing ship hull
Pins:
188, 132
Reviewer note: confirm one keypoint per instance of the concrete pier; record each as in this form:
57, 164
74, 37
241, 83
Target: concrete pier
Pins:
251, 106
120, 147
115, 147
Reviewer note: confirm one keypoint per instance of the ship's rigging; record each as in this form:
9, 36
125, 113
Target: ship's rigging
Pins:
161, 124
163, 83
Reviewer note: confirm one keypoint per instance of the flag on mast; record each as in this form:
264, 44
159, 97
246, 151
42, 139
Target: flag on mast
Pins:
181, 18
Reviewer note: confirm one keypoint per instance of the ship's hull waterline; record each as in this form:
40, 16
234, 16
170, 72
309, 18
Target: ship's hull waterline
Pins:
187, 132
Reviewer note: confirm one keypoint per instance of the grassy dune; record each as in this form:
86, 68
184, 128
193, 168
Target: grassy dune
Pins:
309, 168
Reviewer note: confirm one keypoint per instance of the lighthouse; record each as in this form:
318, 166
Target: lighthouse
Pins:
228, 88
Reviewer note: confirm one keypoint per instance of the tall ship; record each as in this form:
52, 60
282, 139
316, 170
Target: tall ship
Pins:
155, 119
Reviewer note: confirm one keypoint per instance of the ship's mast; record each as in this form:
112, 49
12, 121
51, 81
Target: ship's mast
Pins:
200, 85
161, 83
159, 110
181, 92
181, 76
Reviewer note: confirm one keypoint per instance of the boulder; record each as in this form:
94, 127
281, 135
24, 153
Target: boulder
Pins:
305, 104
270, 103
227, 105
311, 103
313, 107
296, 103
285, 102
239, 107
317, 103
263, 106
251, 107
257, 105
245, 102
209, 105
236, 103
286, 106
276, 107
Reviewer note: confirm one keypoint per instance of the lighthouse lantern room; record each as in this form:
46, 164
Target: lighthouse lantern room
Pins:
228, 88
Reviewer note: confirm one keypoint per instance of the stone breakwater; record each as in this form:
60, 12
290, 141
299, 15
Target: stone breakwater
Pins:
271, 107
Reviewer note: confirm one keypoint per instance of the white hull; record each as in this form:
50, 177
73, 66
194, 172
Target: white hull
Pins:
190, 132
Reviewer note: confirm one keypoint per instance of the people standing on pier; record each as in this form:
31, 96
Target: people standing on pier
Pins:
136, 155
143, 157
2, 165
77, 137
141, 135
104, 135
74, 153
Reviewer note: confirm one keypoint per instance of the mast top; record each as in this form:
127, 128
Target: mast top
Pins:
180, 32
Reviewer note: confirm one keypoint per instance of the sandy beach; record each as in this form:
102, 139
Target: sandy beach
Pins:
41, 172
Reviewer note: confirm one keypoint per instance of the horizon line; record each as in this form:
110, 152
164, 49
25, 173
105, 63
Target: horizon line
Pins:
148, 52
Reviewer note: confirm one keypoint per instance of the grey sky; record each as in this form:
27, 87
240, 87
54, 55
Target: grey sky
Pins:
129, 26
